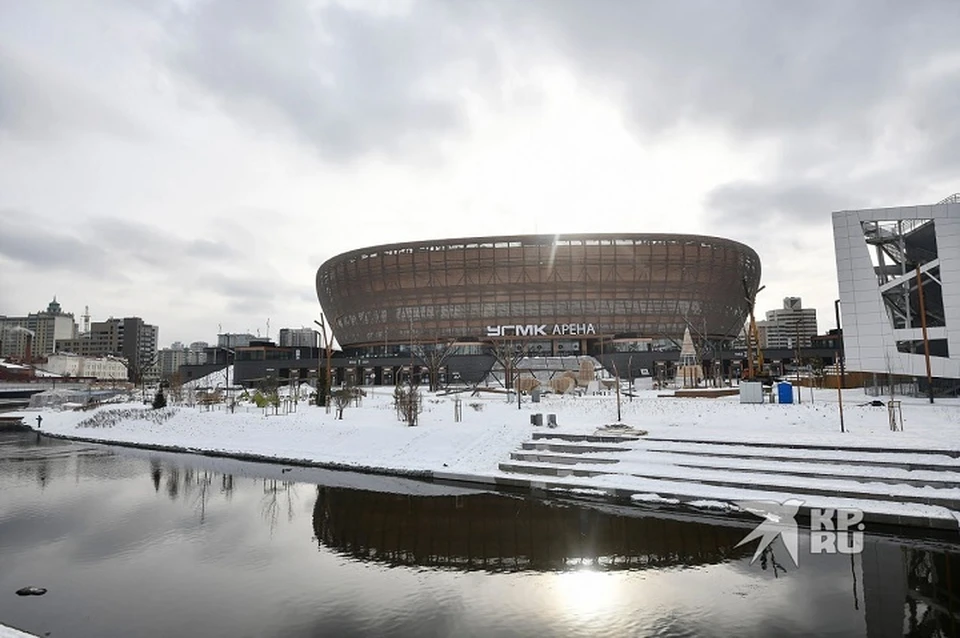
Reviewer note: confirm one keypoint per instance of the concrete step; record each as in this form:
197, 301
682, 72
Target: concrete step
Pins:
547, 470
584, 438
559, 459
933, 481
777, 456
876, 513
806, 486
870, 473
951, 452
570, 448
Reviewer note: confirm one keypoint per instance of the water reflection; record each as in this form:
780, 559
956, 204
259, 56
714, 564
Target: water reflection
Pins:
498, 533
234, 548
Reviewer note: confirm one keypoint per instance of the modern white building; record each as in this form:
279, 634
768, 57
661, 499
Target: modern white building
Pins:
72, 365
881, 255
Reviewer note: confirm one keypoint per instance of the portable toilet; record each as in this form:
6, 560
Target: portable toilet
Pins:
784, 392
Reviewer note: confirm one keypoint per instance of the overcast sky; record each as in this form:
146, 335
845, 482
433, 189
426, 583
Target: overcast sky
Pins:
194, 162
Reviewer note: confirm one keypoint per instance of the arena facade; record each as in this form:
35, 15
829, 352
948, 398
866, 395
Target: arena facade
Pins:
555, 295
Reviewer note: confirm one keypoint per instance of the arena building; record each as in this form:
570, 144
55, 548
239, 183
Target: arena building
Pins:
595, 294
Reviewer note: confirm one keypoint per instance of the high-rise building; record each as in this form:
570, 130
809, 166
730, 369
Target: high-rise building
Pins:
170, 360
785, 326
298, 338
36, 334
129, 338
197, 353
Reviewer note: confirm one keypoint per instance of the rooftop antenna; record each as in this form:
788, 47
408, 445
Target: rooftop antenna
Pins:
268, 328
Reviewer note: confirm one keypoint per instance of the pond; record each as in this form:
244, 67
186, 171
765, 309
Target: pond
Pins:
139, 543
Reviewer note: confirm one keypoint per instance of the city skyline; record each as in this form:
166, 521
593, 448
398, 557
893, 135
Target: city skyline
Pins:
194, 163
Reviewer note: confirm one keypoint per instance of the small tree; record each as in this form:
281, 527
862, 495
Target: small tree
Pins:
341, 399
159, 401
323, 389
408, 403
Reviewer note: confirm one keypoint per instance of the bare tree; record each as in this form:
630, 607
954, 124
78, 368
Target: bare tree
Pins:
508, 354
408, 403
432, 357
175, 387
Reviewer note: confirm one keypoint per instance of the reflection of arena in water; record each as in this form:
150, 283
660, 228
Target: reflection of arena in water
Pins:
497, 533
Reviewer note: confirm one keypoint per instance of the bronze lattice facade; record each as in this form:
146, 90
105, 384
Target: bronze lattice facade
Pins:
571, 288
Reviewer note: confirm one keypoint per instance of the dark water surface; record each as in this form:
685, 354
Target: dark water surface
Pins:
137, 543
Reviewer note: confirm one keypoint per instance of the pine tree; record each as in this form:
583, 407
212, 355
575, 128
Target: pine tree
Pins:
159, 401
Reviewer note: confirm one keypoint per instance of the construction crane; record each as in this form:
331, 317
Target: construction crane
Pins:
754, 363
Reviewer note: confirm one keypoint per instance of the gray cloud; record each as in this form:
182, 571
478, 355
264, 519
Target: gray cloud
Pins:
750, 66
349, 82
859, 97
774, 204
39, 101
103, 245
50, 250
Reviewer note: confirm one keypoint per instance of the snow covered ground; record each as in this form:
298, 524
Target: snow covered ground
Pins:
10, 632
783, 451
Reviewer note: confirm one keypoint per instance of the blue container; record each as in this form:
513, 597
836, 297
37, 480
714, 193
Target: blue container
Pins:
784, 392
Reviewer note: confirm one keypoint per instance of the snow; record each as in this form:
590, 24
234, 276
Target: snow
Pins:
653, 498
697, 449
216, 379
10, 632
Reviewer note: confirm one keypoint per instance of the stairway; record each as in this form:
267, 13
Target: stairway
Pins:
895, 486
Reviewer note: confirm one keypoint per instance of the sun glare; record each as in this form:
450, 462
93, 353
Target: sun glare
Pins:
586, 593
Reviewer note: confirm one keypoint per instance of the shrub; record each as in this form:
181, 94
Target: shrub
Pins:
159, 401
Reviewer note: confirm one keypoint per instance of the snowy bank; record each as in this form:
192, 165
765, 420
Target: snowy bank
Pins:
714, 449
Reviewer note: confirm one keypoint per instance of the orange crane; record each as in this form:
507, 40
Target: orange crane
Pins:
754, 363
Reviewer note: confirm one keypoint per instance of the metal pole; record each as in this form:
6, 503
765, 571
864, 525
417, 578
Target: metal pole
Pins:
840, 352
840, 400
328, 341
926, 342
617, 378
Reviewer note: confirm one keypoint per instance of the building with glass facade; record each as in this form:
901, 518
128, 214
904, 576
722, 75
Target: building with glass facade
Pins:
585, 293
